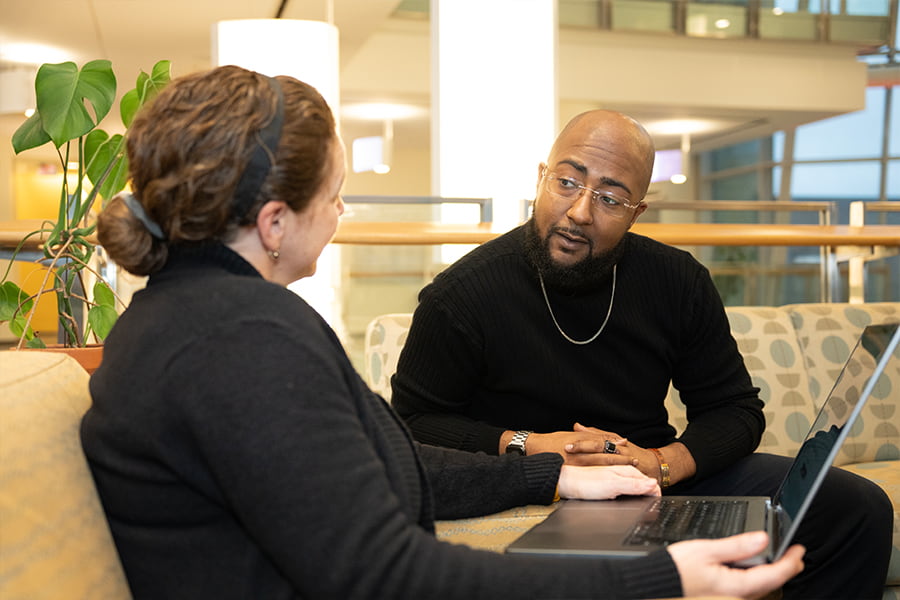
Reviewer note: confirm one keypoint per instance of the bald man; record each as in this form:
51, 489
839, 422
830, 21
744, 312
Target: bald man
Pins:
564, 334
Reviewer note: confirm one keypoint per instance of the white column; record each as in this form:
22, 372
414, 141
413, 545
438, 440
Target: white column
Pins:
494, 99
308, 51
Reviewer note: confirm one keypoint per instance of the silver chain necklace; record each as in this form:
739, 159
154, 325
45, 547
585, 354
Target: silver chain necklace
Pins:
602, 327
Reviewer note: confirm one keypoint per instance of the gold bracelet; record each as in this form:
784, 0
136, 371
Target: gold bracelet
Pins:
664, 481
556, 497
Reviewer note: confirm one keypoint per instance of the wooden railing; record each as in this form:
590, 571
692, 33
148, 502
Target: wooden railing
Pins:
840, 242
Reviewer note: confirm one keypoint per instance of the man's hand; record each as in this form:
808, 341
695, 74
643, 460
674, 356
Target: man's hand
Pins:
587, 444
593, 442
604, 483
703, 566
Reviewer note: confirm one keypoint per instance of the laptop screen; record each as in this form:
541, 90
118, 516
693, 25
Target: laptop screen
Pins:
827, 432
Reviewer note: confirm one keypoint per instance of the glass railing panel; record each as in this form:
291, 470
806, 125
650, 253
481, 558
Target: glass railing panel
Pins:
863, 22
716, 19
859, 29
780, 22
580, 13
642, 15
381, 279
755, 275
875, 277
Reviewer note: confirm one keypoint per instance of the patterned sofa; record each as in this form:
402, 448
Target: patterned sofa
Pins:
793, 352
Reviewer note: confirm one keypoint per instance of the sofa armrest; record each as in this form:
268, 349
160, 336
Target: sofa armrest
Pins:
55, 540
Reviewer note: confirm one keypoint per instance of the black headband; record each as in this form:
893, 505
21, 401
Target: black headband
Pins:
261, 160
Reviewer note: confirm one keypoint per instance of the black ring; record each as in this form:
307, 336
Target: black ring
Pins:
609, 447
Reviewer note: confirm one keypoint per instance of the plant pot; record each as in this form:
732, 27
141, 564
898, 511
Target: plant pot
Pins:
88, 357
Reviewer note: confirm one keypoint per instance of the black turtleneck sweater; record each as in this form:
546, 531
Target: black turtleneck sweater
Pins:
239, 455
483, 355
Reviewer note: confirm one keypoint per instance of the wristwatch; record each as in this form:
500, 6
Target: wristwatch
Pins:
517, 444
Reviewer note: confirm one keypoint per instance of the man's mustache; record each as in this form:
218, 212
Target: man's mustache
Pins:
572, 233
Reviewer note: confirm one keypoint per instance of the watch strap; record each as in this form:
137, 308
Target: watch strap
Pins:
517, 444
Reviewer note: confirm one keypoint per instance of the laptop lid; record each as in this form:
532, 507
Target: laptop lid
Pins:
836, 418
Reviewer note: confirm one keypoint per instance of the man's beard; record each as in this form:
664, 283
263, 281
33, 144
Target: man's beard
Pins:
587, 274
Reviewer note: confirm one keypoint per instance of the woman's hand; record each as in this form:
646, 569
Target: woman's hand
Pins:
703, 566
604, 483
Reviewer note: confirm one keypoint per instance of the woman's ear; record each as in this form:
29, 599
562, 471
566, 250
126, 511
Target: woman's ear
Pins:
270, 223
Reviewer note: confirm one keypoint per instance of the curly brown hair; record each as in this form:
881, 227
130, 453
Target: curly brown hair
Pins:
188, 148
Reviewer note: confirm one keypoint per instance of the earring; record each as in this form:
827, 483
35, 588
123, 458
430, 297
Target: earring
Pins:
273, 254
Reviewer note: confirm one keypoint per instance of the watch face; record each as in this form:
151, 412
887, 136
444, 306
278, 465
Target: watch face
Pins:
515, 450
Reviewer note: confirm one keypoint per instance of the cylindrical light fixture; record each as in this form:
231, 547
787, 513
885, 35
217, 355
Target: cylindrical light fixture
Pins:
307, 50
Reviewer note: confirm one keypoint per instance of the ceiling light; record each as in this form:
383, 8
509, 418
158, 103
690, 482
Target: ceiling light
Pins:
723, 24
381, 111
32, 54
680, 126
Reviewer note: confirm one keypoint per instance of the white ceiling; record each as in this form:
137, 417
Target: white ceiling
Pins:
133, 34
129, 31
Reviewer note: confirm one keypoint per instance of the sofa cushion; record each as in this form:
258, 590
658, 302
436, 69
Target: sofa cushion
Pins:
493, 532
55, 540
827, 333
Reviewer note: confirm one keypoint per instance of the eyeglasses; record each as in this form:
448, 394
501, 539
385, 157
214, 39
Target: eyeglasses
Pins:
609, 203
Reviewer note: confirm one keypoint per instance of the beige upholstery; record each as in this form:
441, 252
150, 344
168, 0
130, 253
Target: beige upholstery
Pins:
385, 337
54, 539
793, 354
826, 334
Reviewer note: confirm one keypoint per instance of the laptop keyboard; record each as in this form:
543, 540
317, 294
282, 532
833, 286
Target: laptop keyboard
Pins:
670, 520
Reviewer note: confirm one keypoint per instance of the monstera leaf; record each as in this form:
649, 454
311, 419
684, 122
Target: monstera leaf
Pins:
63, 94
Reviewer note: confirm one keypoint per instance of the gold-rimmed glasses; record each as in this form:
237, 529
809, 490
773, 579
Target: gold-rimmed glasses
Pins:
608, 202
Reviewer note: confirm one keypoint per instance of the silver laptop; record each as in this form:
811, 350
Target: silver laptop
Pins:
634, 526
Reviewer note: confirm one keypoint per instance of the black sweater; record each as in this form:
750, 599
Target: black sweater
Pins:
483, 355
238, 455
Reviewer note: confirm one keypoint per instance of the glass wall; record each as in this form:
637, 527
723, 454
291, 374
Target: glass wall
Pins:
849, 158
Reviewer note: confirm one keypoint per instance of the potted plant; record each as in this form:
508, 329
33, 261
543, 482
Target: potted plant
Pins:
71, 103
